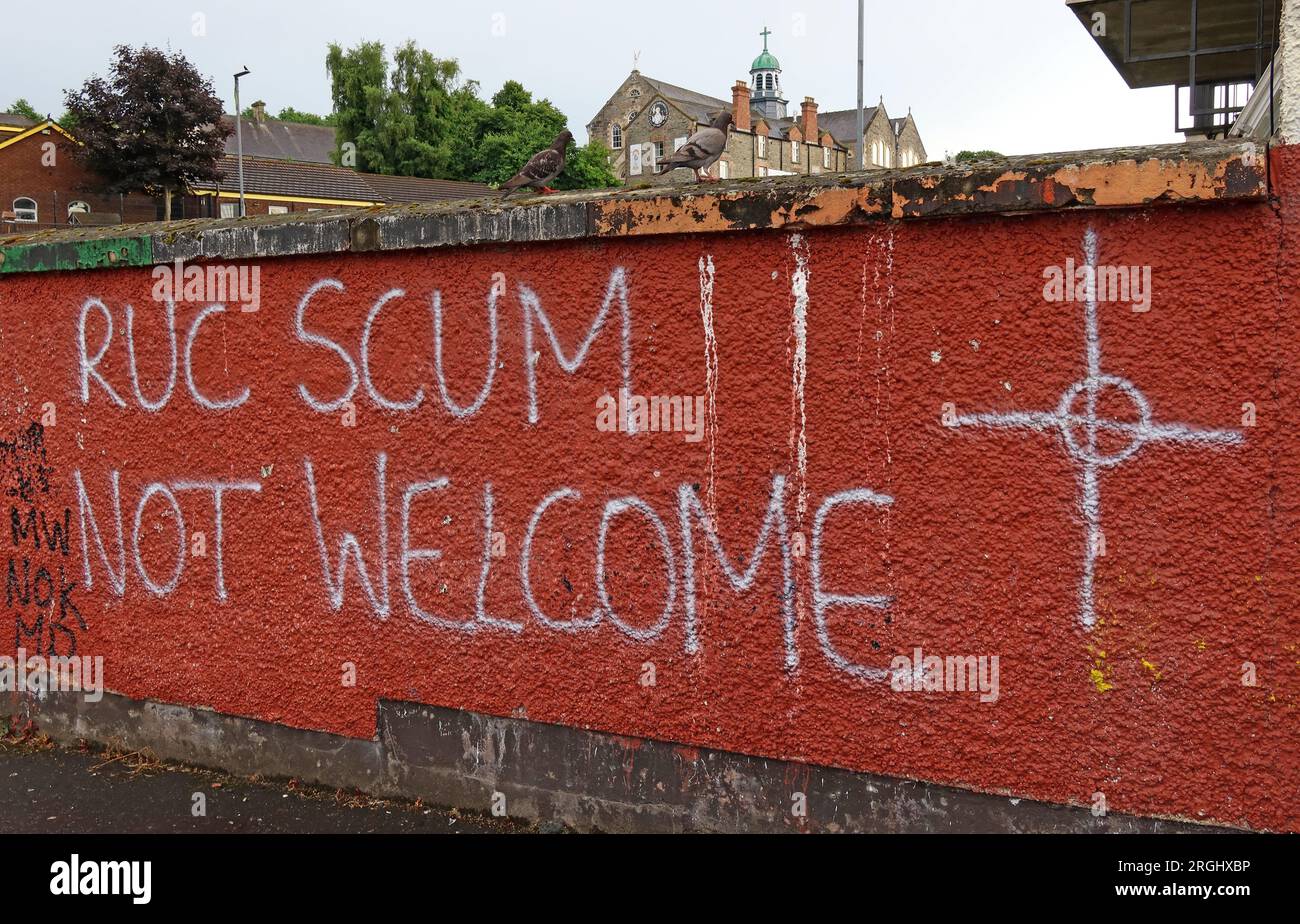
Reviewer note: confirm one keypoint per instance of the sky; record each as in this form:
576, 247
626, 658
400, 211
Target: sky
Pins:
1015, 76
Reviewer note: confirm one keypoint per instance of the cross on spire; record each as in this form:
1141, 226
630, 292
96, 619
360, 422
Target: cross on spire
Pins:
765, 33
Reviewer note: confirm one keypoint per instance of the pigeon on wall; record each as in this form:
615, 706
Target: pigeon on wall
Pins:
544, 167
702, 149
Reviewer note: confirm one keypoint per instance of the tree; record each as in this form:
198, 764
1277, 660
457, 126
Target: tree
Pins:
23, 108
587, 167
515, 128
289, 114
412, 122
153, 126
419, 117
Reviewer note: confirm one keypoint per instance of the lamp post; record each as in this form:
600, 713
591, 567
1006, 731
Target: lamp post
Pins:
862, 128
239, 137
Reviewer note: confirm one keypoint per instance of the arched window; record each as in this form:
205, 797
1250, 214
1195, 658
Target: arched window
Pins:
78, 207
616, 137
25, 209
771, 83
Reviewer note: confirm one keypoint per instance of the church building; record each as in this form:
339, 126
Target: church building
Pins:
647, 119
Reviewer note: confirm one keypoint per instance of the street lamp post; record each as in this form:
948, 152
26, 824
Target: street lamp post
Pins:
862, 128
239, 137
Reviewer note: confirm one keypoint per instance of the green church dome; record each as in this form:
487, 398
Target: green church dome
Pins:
766, 61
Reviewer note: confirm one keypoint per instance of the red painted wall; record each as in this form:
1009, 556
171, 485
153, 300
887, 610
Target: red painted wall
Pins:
983, 549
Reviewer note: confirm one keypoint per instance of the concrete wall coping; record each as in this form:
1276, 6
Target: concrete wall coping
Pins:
1213, 171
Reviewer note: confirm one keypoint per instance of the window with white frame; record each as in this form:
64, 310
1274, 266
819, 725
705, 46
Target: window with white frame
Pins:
794, 152
230, 210
659, 156
724, 170
25, 209
277, 210
826, 158
762, 146
616, 137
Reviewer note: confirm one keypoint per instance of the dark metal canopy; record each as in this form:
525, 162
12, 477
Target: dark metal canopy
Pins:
1156, 43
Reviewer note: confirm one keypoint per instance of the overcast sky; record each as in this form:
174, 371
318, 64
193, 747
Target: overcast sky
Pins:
1017, 76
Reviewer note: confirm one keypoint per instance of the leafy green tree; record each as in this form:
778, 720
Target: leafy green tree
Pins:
289, 114
23, 108
587, 167
410, 120
517, 127
420, 117
153, 126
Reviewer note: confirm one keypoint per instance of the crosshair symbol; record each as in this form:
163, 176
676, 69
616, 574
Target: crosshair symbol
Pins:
1081, 428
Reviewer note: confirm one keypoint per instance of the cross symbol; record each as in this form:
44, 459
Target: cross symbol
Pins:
765, 33
1085, 451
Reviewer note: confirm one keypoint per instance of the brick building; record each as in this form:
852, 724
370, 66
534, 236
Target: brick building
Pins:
42, 185
647, 119
287, 168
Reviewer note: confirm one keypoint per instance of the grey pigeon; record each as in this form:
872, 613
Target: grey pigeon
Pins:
541, 169
702, 149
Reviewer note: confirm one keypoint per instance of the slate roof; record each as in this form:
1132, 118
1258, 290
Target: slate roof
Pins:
843, 123
272, 177
13, 118
699, 106
419, 189
311, 144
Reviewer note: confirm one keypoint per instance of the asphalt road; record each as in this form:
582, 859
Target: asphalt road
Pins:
46, 789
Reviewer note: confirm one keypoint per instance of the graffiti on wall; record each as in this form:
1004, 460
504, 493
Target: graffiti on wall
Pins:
381, 572
38, 589
1095, 440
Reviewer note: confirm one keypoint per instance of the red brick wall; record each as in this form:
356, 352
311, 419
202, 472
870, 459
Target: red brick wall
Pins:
25, 171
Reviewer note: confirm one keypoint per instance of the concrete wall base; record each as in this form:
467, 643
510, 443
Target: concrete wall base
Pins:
552, 773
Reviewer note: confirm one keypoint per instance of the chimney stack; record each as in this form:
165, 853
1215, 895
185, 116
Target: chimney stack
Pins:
259, 111
740, 106
808, 120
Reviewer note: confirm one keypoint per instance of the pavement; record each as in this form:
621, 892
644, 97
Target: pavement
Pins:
49, 789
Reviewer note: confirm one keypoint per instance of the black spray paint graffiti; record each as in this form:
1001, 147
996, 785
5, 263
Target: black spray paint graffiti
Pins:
37, 591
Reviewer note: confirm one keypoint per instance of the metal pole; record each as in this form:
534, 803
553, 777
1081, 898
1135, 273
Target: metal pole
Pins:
239, 140
862, 128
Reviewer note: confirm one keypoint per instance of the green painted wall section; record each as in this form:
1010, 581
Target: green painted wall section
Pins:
77, 255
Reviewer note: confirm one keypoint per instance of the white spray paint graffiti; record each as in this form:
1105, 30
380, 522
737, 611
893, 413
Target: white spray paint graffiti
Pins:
306, 336
88, 366
168, 490
344, 550
824, 599
439, 370
799, 370
532, 309
1087, 454
710, 376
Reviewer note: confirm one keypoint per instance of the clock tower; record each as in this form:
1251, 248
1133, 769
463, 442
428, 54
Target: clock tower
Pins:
766, 81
